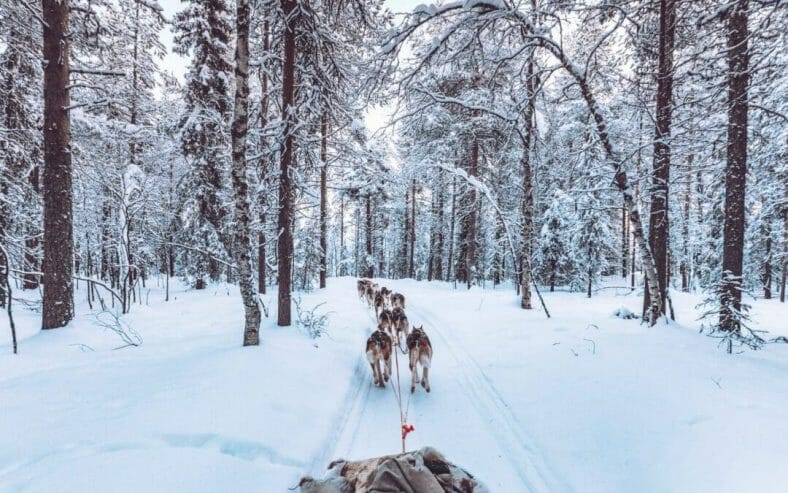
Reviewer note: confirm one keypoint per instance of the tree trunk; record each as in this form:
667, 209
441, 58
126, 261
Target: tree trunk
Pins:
590, 282
624, 244
658, 229
58, 298
784, 276
323, 197
264, 166
433, 236
369, 263
528, 190
31, 242
766, 266
405, 236
412, 230
286, 191
243, 219
342, 235
471, 218
438, 273
684, 267
450, 274
735, 169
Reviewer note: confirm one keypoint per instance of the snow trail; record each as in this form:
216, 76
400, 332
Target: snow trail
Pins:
464, 416
530, 465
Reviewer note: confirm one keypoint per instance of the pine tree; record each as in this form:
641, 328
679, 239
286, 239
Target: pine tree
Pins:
736, 168
203, 30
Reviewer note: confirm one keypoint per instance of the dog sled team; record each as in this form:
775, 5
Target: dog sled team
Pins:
393, 329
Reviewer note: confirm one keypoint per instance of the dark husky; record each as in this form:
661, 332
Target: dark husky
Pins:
386, 322
362, 287
400, 322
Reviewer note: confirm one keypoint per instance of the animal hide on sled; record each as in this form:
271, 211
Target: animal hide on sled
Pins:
421, 471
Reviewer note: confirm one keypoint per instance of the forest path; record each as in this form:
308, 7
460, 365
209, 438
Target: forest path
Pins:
464, 416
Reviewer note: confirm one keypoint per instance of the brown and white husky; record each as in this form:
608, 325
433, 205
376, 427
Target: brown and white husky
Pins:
386, 322
380, 303
400, 323
386, 292
379, 351
398, 300
420, 351
371, 291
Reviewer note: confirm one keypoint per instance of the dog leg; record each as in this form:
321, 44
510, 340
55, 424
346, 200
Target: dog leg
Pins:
414, 373
425, 378
374, 373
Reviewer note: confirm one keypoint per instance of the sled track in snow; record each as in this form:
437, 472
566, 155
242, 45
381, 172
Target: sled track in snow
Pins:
529, 464
337, 444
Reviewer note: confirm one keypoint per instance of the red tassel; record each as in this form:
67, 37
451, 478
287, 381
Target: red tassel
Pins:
407, 429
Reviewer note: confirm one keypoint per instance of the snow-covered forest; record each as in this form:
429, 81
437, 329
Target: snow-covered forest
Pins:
584, 204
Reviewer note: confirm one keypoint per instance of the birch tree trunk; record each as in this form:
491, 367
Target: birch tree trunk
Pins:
58, 298
243, 220
528, 191
264, 167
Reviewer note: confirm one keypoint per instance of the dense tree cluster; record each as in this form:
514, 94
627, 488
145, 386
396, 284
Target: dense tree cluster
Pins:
537, 143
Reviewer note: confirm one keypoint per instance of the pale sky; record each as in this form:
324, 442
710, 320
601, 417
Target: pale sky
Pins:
375, 118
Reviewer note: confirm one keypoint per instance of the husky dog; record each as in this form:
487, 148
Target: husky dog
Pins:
380, 304
398, 300
386, 322
379, 350
400, 322
386, 292
362, 287
420, 351
370, 293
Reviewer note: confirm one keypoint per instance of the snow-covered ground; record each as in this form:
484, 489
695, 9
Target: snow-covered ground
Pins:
582, 401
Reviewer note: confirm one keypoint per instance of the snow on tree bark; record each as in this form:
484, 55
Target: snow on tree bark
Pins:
735, 168
243, 242
528, 192
323, 197
286, 188
658, 229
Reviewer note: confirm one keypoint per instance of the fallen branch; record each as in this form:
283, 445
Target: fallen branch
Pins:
114, 293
